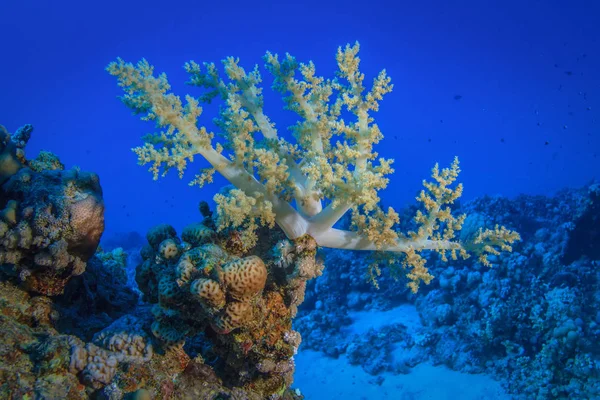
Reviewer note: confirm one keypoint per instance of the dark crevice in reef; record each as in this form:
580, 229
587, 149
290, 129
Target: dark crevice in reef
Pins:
585, 237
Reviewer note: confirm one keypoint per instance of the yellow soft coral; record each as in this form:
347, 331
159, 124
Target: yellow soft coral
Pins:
492, 241
307, 186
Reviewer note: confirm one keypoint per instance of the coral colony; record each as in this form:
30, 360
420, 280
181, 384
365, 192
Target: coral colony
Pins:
330, 170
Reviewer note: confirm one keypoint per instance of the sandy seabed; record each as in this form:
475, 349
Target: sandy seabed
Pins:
320, 377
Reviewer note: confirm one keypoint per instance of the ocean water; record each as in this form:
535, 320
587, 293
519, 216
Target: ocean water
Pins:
510, 88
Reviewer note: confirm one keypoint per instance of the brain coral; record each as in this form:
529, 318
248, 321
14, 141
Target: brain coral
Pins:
235, 315
159, 233
199, 262
87, 223
244, 278
197, 234
210, 293
168, 249
126, 339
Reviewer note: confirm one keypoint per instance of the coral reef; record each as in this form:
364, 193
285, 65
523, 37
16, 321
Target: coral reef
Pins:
231, 308
223, 303
131, 355
51, 219
34, 358
372, 351
531, 320
74, 328
93, 300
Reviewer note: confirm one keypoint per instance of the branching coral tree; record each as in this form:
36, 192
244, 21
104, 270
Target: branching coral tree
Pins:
307, 186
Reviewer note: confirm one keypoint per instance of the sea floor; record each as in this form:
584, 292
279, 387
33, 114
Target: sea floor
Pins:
320, 377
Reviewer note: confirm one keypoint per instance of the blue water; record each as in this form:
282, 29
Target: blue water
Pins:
510, 87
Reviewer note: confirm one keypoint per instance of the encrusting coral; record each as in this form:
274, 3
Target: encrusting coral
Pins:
307, 186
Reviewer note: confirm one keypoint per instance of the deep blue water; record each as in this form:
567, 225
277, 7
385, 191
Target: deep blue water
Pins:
510, 87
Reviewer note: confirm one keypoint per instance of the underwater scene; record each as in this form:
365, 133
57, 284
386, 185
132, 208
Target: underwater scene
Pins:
300, 200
